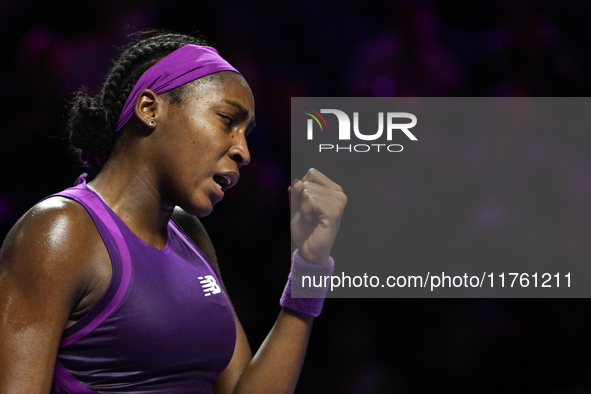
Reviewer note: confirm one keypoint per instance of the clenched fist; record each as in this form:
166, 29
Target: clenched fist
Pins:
317, 205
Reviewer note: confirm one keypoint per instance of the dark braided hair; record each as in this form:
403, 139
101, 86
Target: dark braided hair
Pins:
92, 120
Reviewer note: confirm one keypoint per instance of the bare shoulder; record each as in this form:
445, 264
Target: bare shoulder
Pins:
194, 229
51, 225
48, 263
52, 240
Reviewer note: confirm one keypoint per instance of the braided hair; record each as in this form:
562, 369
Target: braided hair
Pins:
92, 120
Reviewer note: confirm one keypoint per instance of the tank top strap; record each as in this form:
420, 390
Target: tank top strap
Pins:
120, 260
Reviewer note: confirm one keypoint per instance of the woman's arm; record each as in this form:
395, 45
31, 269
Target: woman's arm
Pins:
46, 269
317, 204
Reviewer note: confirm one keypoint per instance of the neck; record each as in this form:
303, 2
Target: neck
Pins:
128, 189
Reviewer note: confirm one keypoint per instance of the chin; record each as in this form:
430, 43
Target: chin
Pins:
200, 206
204, 213
202, 210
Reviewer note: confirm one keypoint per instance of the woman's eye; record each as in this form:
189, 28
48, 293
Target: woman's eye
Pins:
226, 119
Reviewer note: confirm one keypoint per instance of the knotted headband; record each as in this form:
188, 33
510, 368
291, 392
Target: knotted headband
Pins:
186, 64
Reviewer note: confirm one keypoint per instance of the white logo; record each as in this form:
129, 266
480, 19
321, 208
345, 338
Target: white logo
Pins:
345, 130
209, 285
345, 125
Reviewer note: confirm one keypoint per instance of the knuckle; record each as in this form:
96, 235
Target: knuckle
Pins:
313, 173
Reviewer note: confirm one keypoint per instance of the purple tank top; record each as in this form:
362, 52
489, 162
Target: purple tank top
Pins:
163, 326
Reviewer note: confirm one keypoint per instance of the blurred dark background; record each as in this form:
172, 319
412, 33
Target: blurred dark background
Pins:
349, 48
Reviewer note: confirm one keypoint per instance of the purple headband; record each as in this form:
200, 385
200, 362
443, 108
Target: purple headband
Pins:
186, 64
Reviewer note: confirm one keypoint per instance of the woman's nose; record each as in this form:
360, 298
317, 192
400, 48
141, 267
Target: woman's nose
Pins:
239, 152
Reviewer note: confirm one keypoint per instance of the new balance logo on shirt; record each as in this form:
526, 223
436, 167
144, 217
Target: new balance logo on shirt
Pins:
209, 285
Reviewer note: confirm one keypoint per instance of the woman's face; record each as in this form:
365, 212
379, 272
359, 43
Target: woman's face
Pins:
201, 142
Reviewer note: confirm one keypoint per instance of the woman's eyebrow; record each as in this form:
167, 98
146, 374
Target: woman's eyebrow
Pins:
237, 105
243, 111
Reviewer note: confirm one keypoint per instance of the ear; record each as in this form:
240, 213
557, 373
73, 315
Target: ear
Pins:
148, 107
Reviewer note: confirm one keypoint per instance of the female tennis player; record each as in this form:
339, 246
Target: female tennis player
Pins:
112, 286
